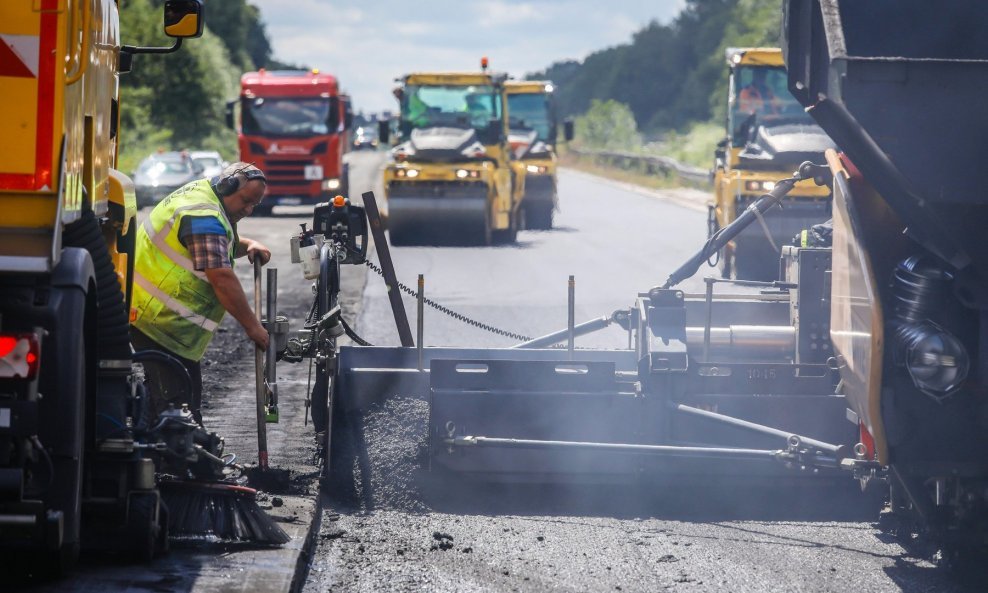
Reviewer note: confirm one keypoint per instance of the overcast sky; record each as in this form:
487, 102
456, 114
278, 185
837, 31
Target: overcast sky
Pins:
368, 43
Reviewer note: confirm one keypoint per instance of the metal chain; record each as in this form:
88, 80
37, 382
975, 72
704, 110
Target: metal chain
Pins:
458, 316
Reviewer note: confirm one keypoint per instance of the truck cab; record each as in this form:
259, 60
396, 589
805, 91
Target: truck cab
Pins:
293, 125
768, 136
451, 172
532, 137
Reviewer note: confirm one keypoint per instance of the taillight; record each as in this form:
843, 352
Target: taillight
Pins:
19, 356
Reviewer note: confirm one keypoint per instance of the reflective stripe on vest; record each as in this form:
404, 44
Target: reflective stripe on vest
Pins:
173, 303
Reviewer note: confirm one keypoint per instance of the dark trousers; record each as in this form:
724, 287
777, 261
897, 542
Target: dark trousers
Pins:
164, 384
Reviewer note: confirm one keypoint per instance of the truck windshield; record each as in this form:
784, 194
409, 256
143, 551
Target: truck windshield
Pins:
426, 106
530, 111
289, 116
762, 90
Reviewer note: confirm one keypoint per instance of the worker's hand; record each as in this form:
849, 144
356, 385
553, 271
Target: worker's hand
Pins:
257, 249
258, 335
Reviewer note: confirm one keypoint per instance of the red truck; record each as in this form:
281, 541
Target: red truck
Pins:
294, 125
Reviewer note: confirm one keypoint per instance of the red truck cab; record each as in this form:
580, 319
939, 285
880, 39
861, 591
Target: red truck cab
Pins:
293, 125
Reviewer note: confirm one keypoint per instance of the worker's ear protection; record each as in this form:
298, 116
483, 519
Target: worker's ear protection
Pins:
227, 186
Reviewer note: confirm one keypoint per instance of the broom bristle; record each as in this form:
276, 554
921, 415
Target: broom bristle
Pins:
218, 512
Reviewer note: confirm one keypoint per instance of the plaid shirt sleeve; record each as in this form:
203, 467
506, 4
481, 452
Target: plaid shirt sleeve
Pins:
208, 251
206, 240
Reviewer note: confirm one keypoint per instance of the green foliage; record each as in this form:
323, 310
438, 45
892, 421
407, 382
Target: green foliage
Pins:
607, 125
695, 146
669, 75
177, 101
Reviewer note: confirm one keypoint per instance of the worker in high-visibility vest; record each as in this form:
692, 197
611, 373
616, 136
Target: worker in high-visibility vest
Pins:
184, 281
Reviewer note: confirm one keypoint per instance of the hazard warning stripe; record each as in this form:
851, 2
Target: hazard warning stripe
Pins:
46, 93
46, 107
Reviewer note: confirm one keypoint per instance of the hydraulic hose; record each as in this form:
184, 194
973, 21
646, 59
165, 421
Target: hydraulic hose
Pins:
752, 213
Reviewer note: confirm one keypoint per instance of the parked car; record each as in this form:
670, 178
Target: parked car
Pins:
211, 162
162, 173
365, 137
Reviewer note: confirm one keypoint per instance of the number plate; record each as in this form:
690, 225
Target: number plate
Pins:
313, 172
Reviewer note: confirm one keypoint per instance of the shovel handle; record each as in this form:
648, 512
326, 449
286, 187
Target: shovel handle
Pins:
261, 390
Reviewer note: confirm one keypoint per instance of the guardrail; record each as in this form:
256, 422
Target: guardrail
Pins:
649, 164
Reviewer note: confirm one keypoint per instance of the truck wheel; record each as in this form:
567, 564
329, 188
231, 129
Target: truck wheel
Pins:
66, 381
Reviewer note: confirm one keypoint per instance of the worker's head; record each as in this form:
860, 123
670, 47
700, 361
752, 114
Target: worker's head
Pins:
241, 186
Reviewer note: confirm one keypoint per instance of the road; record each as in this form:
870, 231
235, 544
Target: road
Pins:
410, 535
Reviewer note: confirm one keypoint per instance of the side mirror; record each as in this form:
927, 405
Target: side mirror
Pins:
230, 123
384, 131
568, 129
348, 120
184, 18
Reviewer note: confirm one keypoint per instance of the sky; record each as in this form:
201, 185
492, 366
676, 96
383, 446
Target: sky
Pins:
366, 44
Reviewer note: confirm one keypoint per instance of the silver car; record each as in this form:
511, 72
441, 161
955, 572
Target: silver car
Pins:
212, 162
162, 173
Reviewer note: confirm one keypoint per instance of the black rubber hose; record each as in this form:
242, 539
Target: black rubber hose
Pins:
168, 359
113, 320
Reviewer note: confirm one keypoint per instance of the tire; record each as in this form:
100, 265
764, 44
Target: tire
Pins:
539, 217
400, 237
486, 235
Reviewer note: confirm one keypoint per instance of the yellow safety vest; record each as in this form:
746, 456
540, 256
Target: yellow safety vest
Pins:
174, 304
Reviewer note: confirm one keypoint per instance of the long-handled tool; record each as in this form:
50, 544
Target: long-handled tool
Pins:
263, 476
259, 356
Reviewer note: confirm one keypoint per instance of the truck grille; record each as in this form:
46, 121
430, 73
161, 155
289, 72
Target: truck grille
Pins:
282, 173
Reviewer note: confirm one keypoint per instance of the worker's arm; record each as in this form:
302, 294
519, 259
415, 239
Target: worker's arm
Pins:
231, 295
250, 247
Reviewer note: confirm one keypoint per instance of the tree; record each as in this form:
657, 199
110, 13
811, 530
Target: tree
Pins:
668, 75
607, 125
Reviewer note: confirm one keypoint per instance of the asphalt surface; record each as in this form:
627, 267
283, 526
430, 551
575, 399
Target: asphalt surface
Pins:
403, 529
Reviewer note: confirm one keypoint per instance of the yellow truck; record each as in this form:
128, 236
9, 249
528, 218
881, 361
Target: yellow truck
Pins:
71, 470
768, 136
451, 175
533, 139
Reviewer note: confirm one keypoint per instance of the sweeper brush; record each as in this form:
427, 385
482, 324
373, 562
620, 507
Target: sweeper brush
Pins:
218, 512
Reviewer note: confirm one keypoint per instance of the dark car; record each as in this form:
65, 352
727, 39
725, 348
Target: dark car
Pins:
162, 173
365, 137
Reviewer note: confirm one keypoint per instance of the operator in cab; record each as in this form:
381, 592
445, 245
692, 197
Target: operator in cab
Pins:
758, 97
184, 281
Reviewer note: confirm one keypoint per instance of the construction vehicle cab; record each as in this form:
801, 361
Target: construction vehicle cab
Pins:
294, 125
768, 136
451, 172
533, 136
